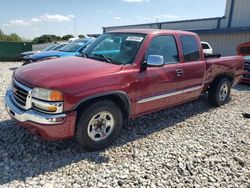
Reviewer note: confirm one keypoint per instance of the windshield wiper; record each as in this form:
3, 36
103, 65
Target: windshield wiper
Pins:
104, 57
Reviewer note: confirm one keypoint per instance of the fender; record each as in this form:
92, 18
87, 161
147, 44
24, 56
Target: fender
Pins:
123, 96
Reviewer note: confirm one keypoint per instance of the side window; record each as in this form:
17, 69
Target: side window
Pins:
190, 48
166, 47
205, 46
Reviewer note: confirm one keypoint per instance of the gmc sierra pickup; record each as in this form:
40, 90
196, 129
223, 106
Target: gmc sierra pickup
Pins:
122, 75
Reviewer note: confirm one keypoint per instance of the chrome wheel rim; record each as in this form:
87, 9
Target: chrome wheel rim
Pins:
100, 126
223, 92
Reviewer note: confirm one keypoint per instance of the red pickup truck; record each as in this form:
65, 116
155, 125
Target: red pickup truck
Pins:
122, 75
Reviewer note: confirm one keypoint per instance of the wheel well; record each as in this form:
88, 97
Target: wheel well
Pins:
119, 99
229, 76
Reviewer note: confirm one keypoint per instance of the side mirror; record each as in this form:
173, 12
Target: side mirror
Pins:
155, 61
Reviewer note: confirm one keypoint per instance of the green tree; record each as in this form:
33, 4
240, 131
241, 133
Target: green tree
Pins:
46, 39
67, 37
2, 36
81, 36
13, 37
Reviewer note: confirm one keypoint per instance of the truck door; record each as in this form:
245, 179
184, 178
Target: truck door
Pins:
194, 68
161, 84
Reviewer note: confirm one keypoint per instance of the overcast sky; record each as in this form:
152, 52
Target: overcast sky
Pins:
32, 18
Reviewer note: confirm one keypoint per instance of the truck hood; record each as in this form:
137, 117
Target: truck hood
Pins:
57, 73
46, 54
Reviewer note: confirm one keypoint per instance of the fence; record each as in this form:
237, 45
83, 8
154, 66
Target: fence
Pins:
10, 51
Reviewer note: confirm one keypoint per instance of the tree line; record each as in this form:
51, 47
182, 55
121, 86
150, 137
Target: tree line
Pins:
13, 37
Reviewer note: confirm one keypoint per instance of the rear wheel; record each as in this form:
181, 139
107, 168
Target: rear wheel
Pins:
219, 92
98, 125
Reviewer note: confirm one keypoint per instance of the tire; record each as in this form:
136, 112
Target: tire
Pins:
92, 133
219, 92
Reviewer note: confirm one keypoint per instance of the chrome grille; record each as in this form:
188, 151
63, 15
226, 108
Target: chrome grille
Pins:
247, 66
20, 94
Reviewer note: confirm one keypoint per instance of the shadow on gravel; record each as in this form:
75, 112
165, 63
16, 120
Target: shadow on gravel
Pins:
242, 87
23, 155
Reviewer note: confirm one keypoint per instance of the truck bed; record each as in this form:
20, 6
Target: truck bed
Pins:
231, 66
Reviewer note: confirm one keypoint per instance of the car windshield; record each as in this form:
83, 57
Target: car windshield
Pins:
59, 46
50, 47
74, 46
117, 48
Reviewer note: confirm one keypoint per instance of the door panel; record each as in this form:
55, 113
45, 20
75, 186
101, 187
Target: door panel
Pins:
193, 78
160, 88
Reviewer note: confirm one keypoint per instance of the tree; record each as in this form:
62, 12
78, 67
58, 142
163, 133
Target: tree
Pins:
67, 37
2, 35
81, 36
46, 39
13, 37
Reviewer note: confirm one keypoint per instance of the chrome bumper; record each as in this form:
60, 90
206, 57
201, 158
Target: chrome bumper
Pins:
30, 115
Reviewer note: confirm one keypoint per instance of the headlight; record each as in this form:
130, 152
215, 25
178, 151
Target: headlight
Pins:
47, 94
46, 100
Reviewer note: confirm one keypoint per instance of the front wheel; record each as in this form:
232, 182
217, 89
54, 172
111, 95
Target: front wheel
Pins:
98, 125
219, 92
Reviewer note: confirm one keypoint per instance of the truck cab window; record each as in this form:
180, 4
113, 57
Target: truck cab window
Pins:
190, 48
166, 47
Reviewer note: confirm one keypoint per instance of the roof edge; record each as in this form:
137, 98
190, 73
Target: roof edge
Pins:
178, 21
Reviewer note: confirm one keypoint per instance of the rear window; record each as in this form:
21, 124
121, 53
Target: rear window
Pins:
190, 48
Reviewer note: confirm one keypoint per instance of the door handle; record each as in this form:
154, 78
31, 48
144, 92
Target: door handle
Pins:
179, 72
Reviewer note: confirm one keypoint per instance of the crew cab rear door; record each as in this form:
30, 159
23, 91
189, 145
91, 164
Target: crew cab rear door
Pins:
161, 84
194, 67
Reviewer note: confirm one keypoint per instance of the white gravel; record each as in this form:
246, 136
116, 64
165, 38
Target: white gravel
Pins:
192, 145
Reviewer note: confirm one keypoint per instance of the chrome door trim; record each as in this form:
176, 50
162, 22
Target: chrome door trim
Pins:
169, 94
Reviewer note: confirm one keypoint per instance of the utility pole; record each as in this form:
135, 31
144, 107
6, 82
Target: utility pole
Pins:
75, 27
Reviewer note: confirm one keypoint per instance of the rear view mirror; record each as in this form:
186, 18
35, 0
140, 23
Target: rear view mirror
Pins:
155, 61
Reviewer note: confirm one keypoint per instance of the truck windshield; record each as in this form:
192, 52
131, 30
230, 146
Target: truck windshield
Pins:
73, 46
117, 48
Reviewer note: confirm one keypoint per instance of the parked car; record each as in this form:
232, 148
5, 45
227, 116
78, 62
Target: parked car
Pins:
55, 46
122, 75
207, 49
244, 50
71, 49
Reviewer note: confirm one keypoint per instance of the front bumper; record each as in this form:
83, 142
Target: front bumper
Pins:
48, 126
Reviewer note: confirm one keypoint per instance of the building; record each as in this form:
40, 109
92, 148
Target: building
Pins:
223, 33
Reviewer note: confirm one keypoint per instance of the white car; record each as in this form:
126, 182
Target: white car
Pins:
207, 49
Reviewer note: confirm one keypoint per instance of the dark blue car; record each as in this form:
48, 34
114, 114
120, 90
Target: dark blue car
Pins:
71, 49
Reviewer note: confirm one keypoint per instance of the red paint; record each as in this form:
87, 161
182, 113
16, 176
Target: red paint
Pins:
244, 53
53, 132
79, 78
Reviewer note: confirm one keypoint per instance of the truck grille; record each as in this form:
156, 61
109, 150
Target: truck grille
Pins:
247, 66
20, 94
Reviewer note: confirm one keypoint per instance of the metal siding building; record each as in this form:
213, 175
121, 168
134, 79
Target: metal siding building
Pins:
223, 33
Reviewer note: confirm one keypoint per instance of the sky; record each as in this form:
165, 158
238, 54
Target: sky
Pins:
32, 18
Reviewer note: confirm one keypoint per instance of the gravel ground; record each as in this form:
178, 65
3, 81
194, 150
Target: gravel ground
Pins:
192, 145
